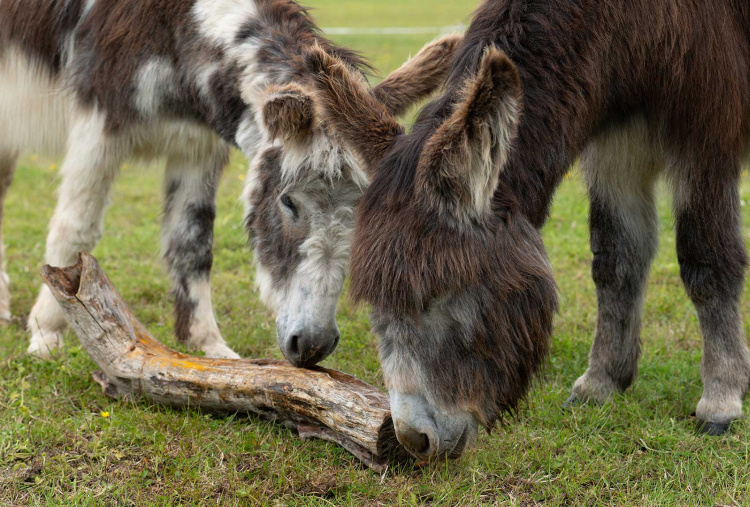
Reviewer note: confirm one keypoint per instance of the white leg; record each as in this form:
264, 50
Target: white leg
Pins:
187, 239
7, 168
88, 172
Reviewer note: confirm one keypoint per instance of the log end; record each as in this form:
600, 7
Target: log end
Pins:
389, 448
64, 282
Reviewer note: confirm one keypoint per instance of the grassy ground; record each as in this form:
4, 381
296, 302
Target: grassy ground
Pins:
63, 443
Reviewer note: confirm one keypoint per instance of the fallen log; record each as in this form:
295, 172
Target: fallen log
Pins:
319, 403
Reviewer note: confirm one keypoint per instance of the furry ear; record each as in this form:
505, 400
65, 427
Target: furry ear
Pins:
345, 104
459, 167
419, 77
288, 112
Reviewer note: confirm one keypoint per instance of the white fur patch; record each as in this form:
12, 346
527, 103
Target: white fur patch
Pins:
220, 20
269, 295
252, 185
490, 155
203, 76
321, 156
88, 172
621, 167
250, 136
326, 253
203, 328
35, 112
87, 8
155, 83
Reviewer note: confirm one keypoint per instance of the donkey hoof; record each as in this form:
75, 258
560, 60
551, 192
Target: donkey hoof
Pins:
573, 401
220, 351
43, 345
713, 429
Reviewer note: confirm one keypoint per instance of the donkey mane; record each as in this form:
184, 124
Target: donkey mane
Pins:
570, 75
292, 30
399, 167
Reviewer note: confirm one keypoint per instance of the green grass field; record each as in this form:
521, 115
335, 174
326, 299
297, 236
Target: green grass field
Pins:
63, 443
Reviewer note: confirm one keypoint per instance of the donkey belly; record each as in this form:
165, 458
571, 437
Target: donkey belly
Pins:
35, 108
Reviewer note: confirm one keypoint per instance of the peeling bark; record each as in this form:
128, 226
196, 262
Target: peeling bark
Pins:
319, 403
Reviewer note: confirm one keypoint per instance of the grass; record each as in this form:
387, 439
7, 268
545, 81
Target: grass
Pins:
63, 443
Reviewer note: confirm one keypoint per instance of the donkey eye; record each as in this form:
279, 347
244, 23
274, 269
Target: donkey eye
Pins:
287, 202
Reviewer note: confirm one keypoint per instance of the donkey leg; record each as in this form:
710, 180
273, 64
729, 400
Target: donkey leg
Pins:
712, 258
7, 168
624, 238
187, 241
88, 171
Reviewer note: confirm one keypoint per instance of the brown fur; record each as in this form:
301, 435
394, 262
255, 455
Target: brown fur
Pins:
296, 32
449, 165
117, 38
38, 26
418, 77
412, 258
368, 124
288, 112
587, 69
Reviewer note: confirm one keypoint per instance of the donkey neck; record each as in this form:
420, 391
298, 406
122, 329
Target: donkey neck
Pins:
591, 64
560, 49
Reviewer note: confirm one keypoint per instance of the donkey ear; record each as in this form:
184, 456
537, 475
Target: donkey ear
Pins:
288, 112
346, 105
459, 165
419, 77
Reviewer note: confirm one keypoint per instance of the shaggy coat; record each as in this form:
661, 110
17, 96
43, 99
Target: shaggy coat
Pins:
635, 89
105, 80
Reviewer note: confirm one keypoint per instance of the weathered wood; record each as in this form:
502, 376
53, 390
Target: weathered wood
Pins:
319, 403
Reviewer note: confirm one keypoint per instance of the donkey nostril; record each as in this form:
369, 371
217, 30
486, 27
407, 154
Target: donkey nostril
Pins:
414, 440
306, 349
294, 345
422, 443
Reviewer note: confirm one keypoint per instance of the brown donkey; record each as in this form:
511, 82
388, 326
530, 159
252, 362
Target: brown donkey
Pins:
446, 244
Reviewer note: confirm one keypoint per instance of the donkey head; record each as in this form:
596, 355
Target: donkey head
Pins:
300, 196
462, 292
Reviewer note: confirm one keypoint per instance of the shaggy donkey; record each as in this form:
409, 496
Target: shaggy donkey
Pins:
445, 247
111, 79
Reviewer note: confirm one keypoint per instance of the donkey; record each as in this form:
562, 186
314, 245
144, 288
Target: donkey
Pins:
446, 247
109, 80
